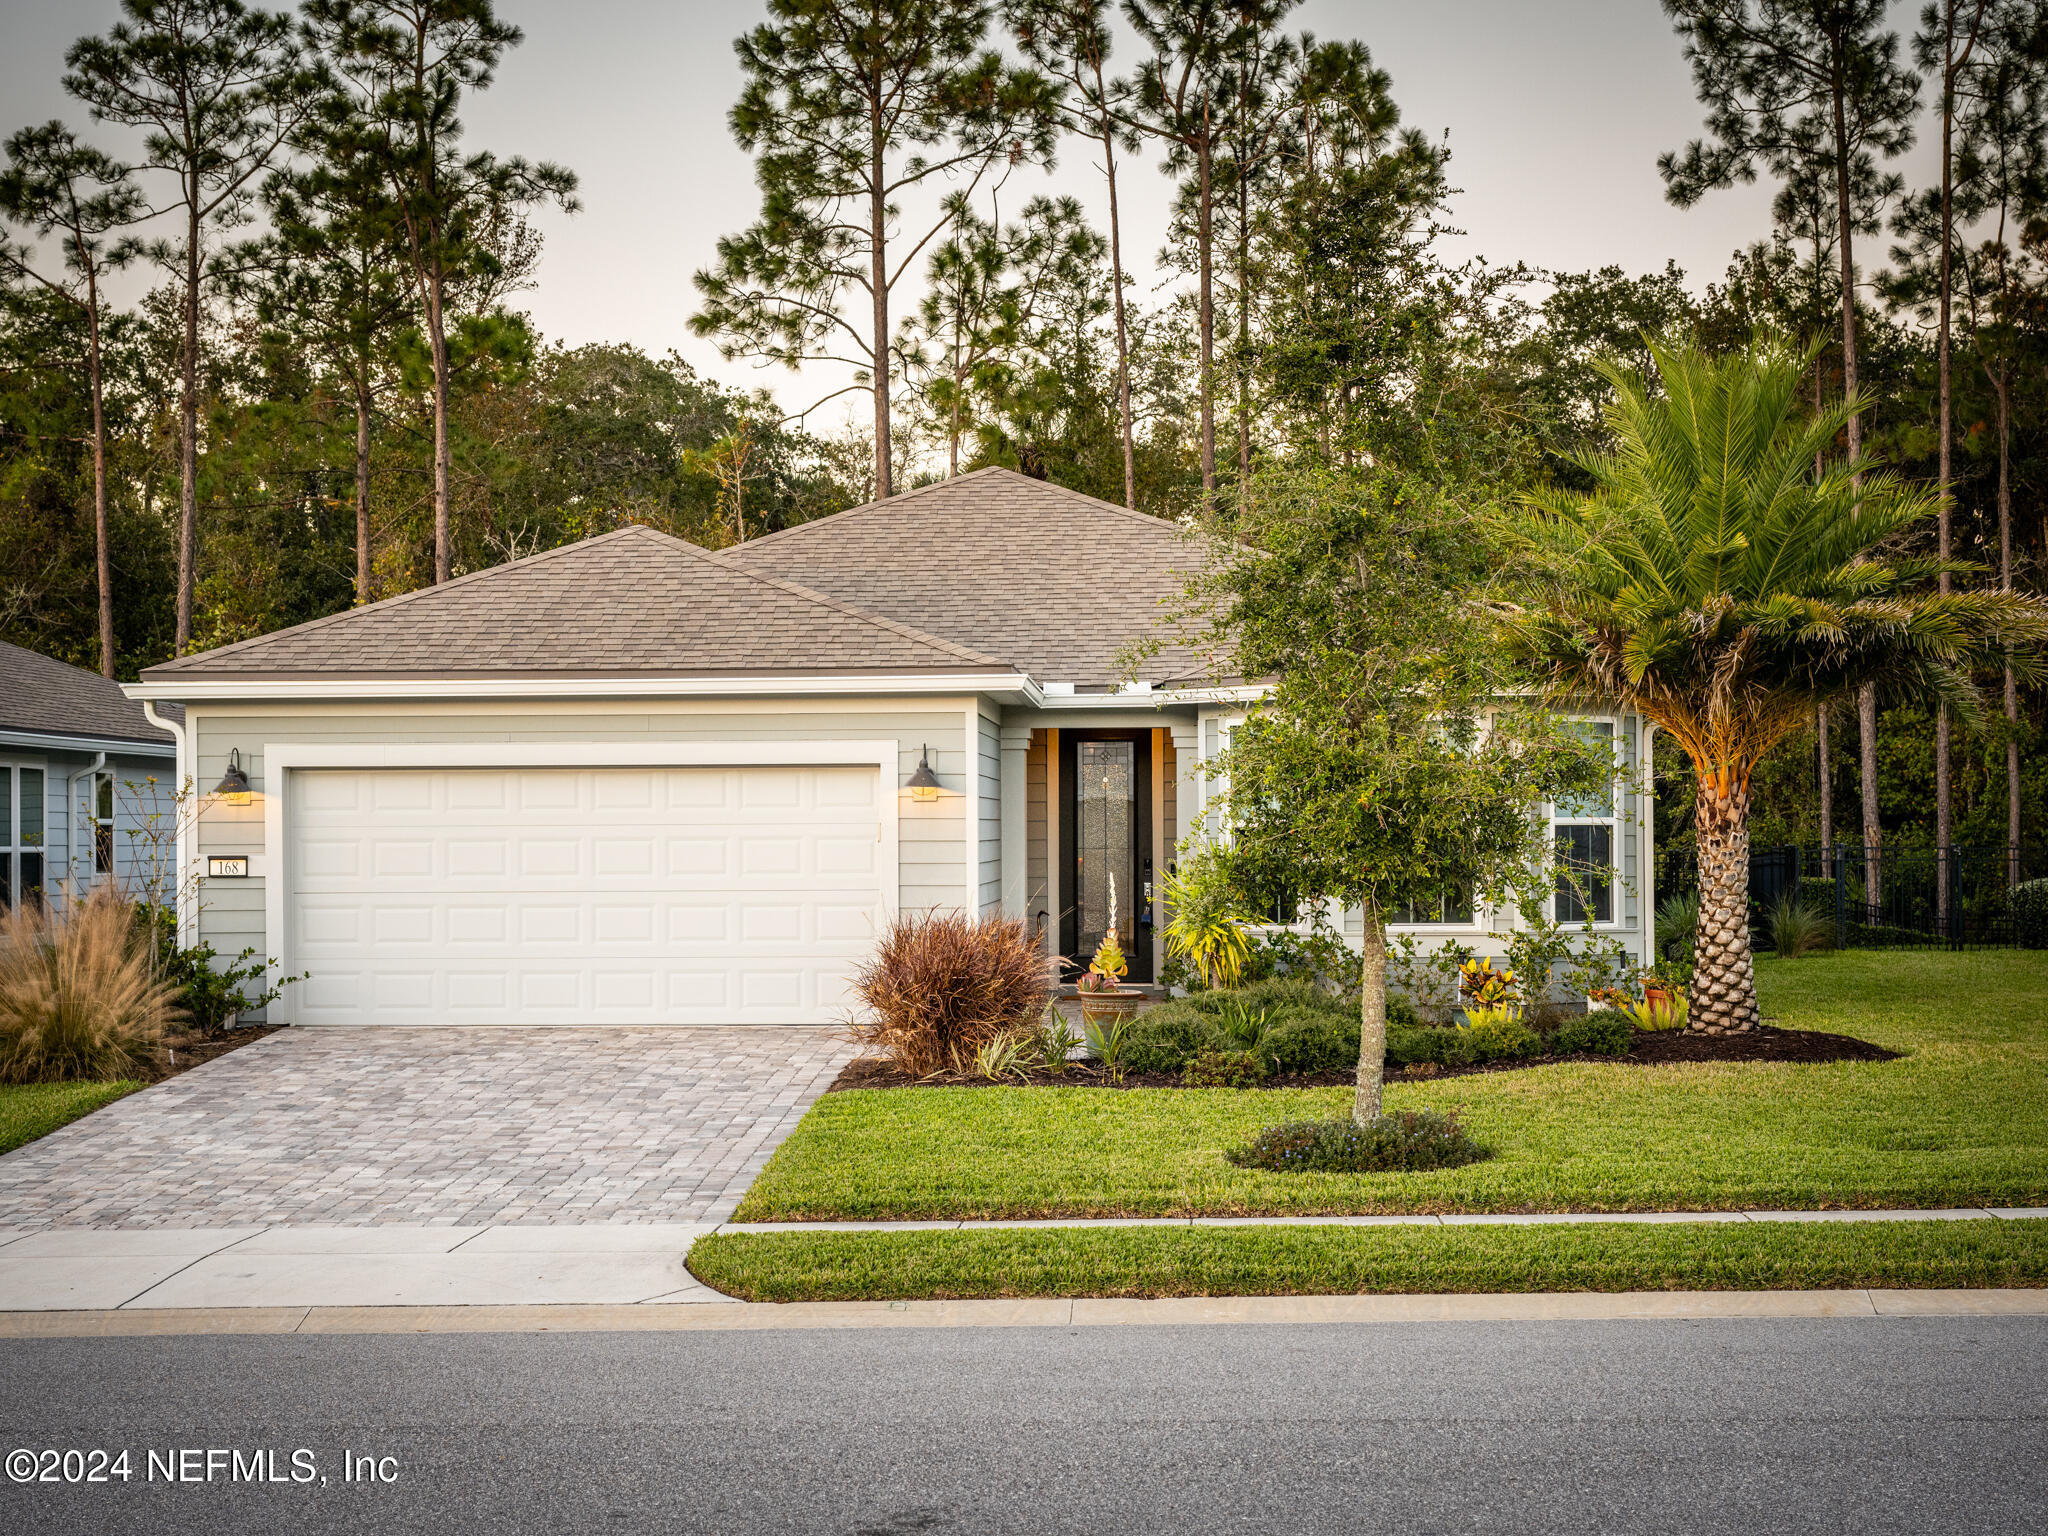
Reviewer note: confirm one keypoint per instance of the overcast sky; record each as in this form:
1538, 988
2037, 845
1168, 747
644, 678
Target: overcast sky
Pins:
1556, 111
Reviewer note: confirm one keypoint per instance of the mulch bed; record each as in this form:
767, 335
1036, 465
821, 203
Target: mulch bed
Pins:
185, 1049
1765, 1043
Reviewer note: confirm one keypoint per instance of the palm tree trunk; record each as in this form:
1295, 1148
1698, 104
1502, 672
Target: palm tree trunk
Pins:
1372, 1017
1723, 998
1873, 829
1827, 783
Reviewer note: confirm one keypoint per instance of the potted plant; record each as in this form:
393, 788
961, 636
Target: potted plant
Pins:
1103, 999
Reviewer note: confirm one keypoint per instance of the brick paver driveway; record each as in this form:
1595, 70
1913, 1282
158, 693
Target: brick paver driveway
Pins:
365, 1127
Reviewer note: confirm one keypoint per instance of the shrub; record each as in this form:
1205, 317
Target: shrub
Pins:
1224, 1069
1604, 1032
1166, 1038
942, 985
1411, 1047
2030, 914
1410, 1141
1497, 1034
1310, 1040
1797, 929
78, 997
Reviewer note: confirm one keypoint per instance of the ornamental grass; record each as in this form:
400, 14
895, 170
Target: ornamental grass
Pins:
79, 999
942, 985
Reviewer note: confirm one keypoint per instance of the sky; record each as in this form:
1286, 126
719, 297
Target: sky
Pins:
1555, 111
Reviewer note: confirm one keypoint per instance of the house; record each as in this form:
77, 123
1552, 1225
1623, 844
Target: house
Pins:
86, 791
631, 781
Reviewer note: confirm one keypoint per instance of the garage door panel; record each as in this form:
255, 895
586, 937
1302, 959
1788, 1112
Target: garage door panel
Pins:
701, 895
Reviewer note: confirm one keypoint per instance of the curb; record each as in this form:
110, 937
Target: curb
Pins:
1084, 1312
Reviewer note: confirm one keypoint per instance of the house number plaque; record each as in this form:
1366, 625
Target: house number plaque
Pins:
233, 867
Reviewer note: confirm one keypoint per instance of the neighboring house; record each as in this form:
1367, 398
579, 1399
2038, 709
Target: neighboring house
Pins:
631, 781
86, 783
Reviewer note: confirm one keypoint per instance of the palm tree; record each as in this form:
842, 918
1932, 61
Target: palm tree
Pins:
1716, 583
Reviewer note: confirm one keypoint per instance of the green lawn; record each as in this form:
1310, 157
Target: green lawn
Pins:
29, 1110
1326, 1261
1963, 1120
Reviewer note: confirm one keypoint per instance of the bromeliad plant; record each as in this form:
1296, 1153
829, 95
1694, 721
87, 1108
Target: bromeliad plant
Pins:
1712, 582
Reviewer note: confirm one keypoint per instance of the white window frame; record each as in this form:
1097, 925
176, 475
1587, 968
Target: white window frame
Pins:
1612, 821
13, 847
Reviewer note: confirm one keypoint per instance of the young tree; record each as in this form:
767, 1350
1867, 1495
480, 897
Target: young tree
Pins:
55, 185
1810, 90
407, 65
1386, 764
1184, 95
216, 89
1711, 582
1069, 40
848, 104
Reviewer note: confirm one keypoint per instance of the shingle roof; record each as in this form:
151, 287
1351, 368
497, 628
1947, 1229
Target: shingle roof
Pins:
1051, 580
632, 602
42, 696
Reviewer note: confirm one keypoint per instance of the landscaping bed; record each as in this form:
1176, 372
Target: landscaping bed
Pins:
1650, 1048
184, 1049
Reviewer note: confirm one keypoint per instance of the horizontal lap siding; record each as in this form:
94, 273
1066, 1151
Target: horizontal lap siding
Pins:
991, 804
930, 853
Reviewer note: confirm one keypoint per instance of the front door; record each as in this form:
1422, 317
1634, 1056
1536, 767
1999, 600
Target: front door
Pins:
1106, 842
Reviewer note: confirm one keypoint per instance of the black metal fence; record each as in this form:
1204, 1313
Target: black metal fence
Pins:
1903, 898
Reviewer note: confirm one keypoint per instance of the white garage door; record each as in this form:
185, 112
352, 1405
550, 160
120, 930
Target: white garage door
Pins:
581, 896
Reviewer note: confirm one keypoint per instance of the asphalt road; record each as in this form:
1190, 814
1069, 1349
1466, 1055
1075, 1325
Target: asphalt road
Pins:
1837, 1425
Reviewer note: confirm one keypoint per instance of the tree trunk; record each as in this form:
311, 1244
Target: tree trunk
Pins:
1723, 997
362, 492
188, 432
1372, 1017
1943, 795
1116, 277
1827, 783
1241, 363
1873, 829
1205, 222
103, 555
2012, 698
1866, 698
437, 336
878, 284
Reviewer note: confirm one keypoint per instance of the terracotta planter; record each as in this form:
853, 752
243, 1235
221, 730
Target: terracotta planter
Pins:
1655, 994
1099, 1008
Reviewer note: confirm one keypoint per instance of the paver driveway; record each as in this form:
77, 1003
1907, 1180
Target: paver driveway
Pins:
366, 1127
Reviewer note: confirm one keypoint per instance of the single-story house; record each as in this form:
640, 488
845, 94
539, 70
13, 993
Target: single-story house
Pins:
86, 784
632, 781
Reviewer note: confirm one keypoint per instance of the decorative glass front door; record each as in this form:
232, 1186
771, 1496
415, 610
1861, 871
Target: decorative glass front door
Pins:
1105, 843
1108, 838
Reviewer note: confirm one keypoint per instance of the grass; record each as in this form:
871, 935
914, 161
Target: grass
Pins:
1328, 1261
1963, 1120
29, 1110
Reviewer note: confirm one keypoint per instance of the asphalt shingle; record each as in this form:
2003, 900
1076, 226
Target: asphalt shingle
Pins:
46, 697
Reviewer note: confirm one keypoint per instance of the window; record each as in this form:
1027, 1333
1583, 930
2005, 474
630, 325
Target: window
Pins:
103, 825
1582, 831
21, 835
1448, 906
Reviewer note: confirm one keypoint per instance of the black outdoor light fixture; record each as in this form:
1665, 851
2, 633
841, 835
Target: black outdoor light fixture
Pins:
234, 784
924, 784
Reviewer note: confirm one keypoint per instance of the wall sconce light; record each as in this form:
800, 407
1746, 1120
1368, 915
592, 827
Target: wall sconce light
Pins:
924, 784
234, 784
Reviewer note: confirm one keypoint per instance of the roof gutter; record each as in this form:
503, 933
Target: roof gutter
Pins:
199, 689
50, 741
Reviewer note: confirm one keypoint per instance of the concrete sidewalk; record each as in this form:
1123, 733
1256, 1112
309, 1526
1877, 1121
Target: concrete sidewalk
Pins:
68, 1268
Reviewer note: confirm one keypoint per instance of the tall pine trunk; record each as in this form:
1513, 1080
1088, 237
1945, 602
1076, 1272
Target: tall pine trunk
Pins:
362, 488
437, 336
1372, 1016
1205, 232
1866, 697
188, 429
1723, 998
1116, 278
878, 283
2012, 698
102, 552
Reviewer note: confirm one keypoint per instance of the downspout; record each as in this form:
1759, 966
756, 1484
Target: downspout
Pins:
187, 825
71, 812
